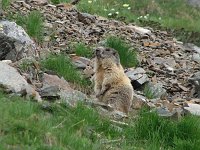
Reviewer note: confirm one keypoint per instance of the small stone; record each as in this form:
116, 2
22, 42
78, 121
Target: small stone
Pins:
157, 90
193, 109
140, 30
138, 101
139, 75
196, 57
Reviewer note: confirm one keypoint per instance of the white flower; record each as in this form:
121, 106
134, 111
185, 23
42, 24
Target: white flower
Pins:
141, 17
105, 9
159, 18
125, 5
112, 9
89, 2
110, 14
117, 12
129, 8
145, 17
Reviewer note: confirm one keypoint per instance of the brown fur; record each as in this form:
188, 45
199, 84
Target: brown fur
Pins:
112, 86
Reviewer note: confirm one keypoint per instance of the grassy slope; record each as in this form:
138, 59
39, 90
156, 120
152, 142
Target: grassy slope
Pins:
175, 14
25, 125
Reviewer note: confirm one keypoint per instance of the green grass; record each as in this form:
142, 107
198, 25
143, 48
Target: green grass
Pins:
27, 125
175, 14
148, 92
33, 24
83, 50
162, 133
128, 57
60, 1
5, 4
24, 125
62, 65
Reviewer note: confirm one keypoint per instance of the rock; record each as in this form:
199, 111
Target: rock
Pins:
80, 62
195, 3
15, 42
176, 113
195, 80
192, 47
138, 101
157, 90
86, 18
196, 57
137, 76
55, 87
39, 2
193, 109
140, 30
12, 81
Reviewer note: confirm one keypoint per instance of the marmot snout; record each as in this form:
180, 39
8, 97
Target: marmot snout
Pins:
112, 86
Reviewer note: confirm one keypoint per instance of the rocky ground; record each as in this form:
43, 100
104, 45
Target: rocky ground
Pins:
170, 67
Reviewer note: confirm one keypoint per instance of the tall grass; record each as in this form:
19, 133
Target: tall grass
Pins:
161, 133
83, 50
128, 57
29, 125
33, 23
62, 65
5, 4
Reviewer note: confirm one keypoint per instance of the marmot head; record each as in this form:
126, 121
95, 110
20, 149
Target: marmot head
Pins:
107, 53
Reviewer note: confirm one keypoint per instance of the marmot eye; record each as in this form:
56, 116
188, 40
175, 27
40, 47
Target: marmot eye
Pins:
107, 49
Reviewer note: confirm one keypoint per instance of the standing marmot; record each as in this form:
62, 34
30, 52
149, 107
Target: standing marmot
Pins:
112, 86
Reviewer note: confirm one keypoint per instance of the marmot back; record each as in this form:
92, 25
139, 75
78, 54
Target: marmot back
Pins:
112, 86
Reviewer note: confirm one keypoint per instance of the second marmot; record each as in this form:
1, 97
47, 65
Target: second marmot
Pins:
112, 86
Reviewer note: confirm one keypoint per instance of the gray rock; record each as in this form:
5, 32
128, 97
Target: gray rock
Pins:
140, 30
138, 74
81, 62
15, 42
192, 47
195, 80
157, 90
55, 87
195, 3
12, 81
138, 101
176, 113
193, 109
196, 57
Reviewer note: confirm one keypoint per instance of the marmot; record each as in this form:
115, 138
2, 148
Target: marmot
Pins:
112, 86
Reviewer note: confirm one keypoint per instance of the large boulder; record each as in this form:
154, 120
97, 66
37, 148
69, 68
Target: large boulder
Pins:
15, 42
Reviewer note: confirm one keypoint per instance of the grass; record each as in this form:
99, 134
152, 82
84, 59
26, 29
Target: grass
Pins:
160, 133
5, 4
83, 50
62, 127
128, 57
148, 92
62, 65
175, 14
59, 1
33, 24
